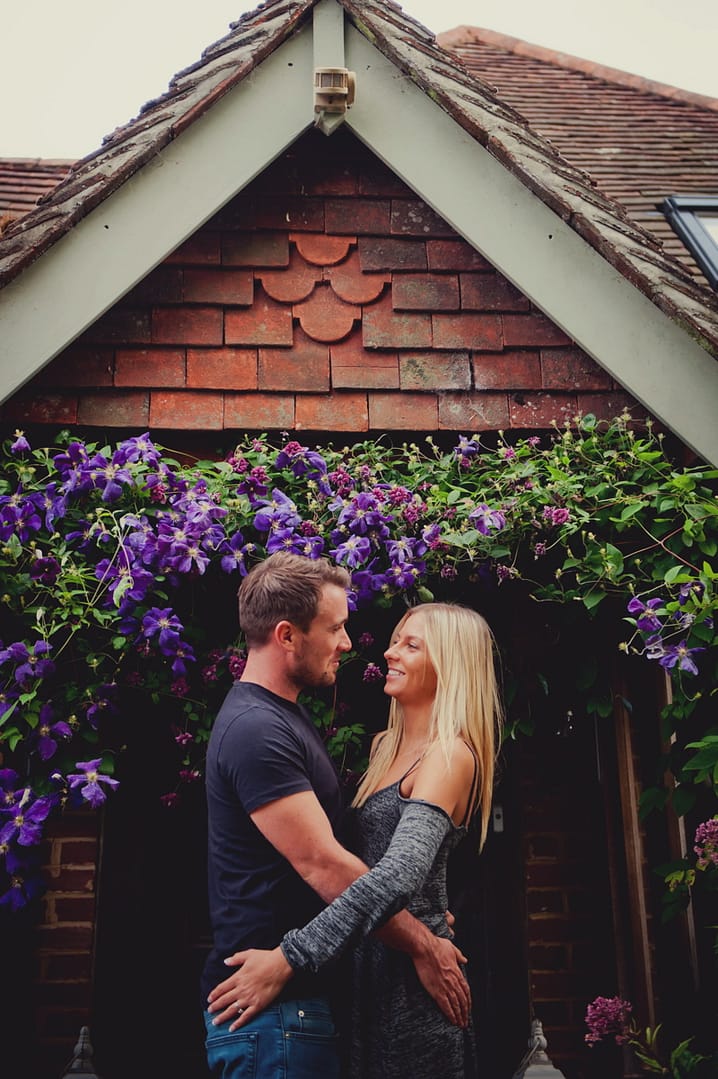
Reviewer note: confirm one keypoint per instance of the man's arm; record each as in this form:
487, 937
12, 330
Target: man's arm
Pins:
298, 828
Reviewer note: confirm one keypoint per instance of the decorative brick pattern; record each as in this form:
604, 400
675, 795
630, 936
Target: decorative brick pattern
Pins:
325, 317
322, 250
326, 280
353, 285
293, 283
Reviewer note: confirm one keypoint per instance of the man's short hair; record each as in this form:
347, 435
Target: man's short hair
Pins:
284, 586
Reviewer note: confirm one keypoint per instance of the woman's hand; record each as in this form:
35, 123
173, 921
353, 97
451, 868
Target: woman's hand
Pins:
260, 978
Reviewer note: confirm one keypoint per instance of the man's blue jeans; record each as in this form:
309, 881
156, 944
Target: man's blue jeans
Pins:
293, 1040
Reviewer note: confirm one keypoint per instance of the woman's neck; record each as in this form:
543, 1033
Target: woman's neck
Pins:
416, 729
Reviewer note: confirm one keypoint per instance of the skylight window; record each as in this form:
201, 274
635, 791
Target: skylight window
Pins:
695, 219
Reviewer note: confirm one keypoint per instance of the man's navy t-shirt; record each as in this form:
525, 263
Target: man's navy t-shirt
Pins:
262, 747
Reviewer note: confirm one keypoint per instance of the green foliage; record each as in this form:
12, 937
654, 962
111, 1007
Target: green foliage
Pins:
101, 546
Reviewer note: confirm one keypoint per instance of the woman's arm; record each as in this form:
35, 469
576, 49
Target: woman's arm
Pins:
375, 895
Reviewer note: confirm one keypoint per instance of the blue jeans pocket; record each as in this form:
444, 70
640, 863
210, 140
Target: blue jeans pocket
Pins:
292, 1040
231, 1055
312, 1047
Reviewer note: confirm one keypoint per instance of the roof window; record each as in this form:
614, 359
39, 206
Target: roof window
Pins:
695, 219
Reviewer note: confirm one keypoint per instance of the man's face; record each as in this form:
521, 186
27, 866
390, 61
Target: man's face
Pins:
316, 659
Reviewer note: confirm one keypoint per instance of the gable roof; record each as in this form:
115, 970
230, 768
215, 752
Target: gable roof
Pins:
23, 181
543, 223
640, 140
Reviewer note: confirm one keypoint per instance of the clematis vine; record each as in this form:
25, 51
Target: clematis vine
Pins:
120, 568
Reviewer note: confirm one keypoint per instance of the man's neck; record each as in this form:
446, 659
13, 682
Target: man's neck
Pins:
264, 670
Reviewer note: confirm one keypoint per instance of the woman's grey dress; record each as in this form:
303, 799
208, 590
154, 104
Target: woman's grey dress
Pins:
397, 1030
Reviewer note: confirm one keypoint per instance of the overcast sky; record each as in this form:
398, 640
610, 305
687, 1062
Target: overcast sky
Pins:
71, 72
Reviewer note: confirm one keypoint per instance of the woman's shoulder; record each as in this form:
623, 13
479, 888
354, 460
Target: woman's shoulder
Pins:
446, 782
460, 754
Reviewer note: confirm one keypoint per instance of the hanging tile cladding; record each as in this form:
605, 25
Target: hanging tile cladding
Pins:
325, 297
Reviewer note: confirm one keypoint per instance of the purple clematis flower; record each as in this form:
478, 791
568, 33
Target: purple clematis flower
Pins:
161, 621
234, 553
45, 569
21, 891
486, 519
353, 552
30, 663
21, 444
48, 733
8, 784
88, 780
25, 823
646, 619
681, 655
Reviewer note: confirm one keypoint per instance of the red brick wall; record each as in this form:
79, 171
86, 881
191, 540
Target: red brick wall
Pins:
326, 296
63, 942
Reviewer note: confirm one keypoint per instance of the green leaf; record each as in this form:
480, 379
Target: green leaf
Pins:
652, 798
683, 799
591, 600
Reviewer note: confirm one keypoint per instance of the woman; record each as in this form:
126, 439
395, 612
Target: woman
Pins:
429, 772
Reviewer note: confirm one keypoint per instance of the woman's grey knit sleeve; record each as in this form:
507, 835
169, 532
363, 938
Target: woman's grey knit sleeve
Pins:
375, 896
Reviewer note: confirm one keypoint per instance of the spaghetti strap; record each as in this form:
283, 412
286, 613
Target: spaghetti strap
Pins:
408, 772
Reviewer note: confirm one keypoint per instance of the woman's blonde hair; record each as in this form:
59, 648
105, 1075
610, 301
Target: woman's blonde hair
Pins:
467, 704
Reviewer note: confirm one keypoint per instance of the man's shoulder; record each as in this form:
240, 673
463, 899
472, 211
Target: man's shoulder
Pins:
248, 705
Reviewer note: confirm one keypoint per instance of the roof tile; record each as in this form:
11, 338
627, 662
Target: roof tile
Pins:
264, 323
353, 286
385, 328
324, 317
292, 283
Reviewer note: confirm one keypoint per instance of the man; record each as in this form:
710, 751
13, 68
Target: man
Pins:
274, 801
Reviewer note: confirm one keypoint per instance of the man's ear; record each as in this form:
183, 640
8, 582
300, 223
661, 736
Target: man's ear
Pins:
285, 634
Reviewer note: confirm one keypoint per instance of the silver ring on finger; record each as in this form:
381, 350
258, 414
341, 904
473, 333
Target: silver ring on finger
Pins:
240, 1009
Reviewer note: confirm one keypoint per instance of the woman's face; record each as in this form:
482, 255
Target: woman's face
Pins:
410, 677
